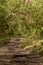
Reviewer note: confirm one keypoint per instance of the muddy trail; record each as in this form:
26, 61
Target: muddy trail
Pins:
14, 54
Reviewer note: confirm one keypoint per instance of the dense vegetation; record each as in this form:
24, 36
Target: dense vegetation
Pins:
22, 18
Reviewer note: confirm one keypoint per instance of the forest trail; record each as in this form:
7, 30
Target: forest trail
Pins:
14, 54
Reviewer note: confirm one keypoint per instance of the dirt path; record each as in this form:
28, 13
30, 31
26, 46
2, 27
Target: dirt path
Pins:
13, 54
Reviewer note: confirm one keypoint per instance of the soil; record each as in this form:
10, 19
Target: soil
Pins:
13, 54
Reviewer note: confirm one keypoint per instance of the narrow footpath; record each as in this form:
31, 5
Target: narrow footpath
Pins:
13, 54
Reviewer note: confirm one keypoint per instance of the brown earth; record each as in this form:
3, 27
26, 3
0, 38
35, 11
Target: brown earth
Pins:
13, 54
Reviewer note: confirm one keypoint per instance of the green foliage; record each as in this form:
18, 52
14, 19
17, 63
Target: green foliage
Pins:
19, 18
4, 41
38, 48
